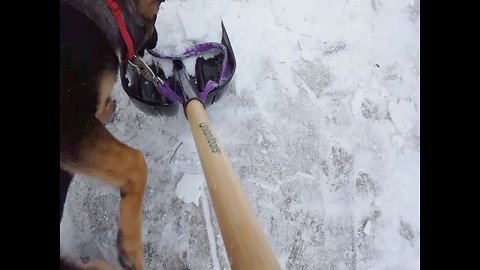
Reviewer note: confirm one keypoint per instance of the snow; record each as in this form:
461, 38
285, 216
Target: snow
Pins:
367, 228
321, 124
189, 188
401, 113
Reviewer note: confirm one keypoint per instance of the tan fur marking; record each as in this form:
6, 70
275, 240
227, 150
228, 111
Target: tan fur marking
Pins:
106, 82
148, 8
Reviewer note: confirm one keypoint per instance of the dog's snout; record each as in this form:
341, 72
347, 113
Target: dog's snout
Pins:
152, 41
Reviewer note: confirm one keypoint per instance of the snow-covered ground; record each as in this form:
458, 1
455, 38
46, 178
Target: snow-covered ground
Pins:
321, 124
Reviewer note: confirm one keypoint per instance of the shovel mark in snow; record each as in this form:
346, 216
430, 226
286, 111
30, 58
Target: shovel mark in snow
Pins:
210, 232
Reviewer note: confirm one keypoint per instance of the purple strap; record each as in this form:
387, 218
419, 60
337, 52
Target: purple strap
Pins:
165, 90
206, 90
199, 49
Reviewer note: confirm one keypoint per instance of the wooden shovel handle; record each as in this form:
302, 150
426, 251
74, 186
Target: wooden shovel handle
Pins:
246, 244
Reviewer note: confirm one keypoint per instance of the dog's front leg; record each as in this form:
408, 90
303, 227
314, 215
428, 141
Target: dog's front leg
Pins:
101, 155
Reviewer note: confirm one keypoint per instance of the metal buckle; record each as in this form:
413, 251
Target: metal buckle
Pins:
144, 70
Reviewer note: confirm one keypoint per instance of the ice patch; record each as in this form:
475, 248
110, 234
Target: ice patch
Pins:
357, 101
367, 228
309, 55
402, 113
189, 188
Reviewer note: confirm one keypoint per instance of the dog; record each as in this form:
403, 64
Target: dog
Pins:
91, 50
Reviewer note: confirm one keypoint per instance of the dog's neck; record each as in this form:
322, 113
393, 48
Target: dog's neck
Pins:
101, 15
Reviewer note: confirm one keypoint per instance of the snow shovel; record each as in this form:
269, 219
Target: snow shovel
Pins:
153, 93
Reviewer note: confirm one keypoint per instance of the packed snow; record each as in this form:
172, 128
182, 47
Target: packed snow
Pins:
321, 124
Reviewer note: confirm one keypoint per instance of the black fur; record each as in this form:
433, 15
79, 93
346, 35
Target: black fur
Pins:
88, 47
85, 52
67, 266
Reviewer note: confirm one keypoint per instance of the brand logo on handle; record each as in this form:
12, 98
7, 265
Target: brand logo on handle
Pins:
212, 142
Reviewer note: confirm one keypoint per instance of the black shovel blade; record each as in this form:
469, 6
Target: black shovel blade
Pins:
210, 69
146, 97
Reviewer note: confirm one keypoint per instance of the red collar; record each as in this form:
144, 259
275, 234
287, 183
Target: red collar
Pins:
116, 10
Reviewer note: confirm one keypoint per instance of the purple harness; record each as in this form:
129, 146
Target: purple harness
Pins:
164, 89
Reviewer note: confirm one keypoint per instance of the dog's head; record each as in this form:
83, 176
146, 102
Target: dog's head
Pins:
140, 20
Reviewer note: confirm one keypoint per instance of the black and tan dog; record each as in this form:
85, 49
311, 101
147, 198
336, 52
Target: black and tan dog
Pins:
91, 50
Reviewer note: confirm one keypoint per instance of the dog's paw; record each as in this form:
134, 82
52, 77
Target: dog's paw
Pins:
132, 260
98, 265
